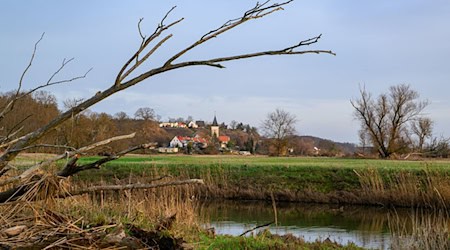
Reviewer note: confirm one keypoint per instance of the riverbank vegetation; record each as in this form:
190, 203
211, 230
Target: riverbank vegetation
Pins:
163, 218
323, 180
118, 218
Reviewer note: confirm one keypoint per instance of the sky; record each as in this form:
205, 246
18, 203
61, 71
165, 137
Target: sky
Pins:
378, 44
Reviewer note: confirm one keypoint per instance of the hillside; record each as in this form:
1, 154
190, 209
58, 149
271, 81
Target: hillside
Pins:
311, 145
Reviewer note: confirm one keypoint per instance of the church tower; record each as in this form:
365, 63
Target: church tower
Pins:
215, 128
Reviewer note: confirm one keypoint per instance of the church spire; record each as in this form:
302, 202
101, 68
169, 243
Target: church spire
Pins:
215, 127
215, 121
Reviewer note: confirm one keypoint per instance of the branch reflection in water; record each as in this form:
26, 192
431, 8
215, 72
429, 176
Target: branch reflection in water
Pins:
368, 227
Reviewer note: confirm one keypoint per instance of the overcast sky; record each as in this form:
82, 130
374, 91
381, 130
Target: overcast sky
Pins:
378, 44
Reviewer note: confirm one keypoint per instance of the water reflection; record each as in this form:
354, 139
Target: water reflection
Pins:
367, 227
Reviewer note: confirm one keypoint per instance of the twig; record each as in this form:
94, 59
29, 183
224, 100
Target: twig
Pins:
253, 229
274, 206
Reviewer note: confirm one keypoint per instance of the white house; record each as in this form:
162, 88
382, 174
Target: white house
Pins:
177, 142
167, 150
172, 125
182, 141
192, 124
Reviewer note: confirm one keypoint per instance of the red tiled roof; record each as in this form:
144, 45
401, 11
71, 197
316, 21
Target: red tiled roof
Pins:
194, 139
224, 138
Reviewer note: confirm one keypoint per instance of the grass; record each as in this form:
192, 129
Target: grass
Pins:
419, 231
310, 179
307, 179
266, 240
298, 179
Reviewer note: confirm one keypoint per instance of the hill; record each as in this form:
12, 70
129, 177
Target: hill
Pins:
311, 145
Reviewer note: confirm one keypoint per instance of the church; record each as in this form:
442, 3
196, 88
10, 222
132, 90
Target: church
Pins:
200, 142
215, 133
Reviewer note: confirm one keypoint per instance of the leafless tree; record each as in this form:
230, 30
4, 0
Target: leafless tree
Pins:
279, 126
387, 119
145, 114
133, 71
121, 116
423, 129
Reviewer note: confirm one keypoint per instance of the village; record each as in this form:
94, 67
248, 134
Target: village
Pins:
200, 137
196, 142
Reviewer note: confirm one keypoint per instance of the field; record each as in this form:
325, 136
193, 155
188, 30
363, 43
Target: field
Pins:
325, 180
305, 179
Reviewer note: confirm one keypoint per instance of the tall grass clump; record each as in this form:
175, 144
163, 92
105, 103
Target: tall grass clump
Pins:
143, 208
422, 230
422, 188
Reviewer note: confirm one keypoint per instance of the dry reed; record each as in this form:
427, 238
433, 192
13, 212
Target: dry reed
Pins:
421, 230
407, 189
39, 218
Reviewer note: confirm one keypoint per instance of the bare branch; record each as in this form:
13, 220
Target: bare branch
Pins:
68, 154
29, 65
48, 146
140, 31
10, 105
50, 83
5, 170
145, 42
253, 229
72, 168
104, 142
139, 62
133, 187
287, 51
257, 12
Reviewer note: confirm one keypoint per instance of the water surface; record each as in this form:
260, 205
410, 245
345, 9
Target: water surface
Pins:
367, 227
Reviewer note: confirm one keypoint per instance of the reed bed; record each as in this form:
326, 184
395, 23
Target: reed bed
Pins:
420, 232
427, 189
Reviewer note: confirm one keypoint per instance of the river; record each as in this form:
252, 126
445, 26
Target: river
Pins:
368, 227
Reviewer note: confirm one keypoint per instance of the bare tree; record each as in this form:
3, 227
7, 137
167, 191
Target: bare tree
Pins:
133, 72
279, 126
121, 116
145, 114
386, 119
423, 129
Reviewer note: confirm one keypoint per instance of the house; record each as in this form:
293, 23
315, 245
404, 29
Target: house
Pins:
183, 141
200, 124
172, 125
167, 150
177, 142
192, 124
223, 140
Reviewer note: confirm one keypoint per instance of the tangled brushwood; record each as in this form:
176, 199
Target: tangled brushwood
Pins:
40, 219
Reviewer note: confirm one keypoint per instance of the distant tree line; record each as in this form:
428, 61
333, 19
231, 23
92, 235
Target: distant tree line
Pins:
87, 127
391, 125
34, 111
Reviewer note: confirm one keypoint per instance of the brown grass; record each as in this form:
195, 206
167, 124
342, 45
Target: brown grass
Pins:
421, 230
407, 189
84, 221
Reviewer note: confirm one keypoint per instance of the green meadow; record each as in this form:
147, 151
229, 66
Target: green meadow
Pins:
311, 179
